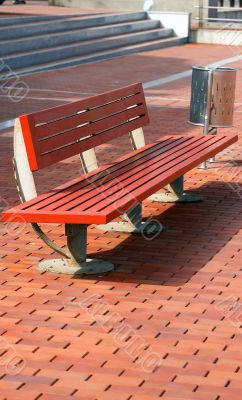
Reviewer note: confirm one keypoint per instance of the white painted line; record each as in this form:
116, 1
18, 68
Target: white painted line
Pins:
54, 90
188, 73
226, 61
167, 79
147, 96
7, 124
66, 99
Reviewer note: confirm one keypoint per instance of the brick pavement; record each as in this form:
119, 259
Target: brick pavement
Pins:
178, 295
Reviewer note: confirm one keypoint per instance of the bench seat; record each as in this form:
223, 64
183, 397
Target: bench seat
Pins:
102, 195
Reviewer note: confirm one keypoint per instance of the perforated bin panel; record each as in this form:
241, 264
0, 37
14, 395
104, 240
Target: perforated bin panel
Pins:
222, 96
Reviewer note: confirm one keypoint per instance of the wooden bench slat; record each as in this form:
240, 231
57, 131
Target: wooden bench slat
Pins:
143, 175
62, 132
98, 128
45, 199
56, 128
122, 180
44, 217
89, 186
142, 192
94, 141
91, 176
58, 112
153, 180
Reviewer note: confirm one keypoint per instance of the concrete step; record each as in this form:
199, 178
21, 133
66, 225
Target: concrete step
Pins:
38, 43
12, 21
99, 56
77, 22
58, 53
11, 46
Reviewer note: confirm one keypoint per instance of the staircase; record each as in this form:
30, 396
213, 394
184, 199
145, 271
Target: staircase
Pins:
38, 43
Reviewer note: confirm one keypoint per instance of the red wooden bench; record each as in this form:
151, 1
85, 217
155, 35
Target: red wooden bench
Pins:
101, 194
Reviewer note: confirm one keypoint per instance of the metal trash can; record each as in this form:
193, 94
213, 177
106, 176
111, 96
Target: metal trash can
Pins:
212, 99
212, 96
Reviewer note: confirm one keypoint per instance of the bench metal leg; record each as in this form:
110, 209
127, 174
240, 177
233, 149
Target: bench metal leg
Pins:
132, 223
77, 262
47, 240
175, 194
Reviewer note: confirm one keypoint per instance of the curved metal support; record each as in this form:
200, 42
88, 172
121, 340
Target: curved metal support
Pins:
25, 183
89, 160
48, 241
35, 226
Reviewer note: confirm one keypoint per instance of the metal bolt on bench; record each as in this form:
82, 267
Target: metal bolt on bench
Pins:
212, 99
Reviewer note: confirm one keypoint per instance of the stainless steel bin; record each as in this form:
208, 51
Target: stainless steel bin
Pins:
212, 96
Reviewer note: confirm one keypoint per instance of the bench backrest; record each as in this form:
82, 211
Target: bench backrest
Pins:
57, 133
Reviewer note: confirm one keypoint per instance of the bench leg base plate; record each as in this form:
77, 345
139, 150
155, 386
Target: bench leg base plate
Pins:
70, 267
174, 193
203, 166
171, 198
151, 228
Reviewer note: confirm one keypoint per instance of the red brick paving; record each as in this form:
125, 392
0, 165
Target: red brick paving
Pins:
180, 293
